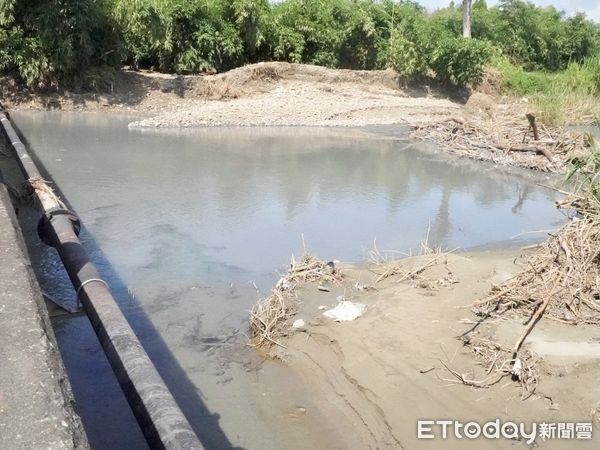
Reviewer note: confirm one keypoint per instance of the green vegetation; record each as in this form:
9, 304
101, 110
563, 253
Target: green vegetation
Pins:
46, 42
460, 61
532, 37
586, 171
572, 93
73, 42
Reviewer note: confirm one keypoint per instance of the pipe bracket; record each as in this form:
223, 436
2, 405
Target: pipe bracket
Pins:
89, 280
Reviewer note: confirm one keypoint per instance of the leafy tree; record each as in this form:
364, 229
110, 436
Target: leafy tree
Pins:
46, 42
252, 19
409, 40
183, 36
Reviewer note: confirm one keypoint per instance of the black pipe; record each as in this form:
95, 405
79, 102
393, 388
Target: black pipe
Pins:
160, 419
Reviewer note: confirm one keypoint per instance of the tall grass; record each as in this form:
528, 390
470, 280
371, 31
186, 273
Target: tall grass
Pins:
569, 96
586, 170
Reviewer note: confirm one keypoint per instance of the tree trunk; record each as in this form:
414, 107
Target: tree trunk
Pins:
467, 18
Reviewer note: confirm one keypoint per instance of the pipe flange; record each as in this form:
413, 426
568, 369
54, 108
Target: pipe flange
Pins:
44, 224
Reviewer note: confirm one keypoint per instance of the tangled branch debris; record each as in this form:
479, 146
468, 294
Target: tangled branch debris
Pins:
391, 269
561, 282
563, 277
499, 362
269, 315
507, 141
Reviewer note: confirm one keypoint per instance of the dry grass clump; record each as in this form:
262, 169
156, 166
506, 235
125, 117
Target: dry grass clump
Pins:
506, 141
386, 266
264, 72
394, 268
481, 103
42, 187
566, 105
215, 88
311, 269
491, 83
269, 315
237, 83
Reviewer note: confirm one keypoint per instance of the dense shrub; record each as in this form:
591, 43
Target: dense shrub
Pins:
583, 78
315, 30
570, 95
593, 65
531, 36
45, 42
460, 61
185, 36
406, 46
540, 38
332, 33
406, 57
140, 27
585, 170
517, 80
252, 20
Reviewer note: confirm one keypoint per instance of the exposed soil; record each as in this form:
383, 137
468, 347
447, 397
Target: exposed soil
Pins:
392, 366
259, 94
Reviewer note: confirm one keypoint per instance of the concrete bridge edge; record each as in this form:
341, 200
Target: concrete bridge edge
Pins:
37, 408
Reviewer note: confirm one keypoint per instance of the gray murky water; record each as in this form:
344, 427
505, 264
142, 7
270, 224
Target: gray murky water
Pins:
191, 227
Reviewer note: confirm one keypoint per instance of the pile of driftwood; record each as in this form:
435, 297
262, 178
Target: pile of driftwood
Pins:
508, 141
562, 279
560, 282
269, 315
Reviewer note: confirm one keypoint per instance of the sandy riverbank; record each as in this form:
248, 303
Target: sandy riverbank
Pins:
479, 126
390, 367
272, 94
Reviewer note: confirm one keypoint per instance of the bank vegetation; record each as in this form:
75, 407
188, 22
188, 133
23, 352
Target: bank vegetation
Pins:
538, 53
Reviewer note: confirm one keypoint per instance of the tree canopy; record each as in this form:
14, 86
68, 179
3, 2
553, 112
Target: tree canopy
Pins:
62, 42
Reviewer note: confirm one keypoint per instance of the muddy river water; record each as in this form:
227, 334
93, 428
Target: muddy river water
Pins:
191, 227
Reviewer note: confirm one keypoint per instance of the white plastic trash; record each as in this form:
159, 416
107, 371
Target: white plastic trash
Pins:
299, 324
517, 368
346, 310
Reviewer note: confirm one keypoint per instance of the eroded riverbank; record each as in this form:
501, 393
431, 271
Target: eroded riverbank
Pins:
470, 124
264, 94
